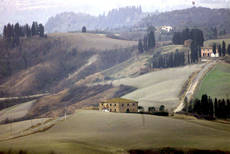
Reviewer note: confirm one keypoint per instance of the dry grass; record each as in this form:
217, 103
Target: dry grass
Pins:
16, 112
131, 67
17, 128
87, 41
160, 87
98, 132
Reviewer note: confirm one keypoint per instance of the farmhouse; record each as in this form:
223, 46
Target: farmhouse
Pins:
166, 28
208, 52
118, 105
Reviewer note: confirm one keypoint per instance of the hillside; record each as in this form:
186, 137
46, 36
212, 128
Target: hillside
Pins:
116, 18
152, 87
98, 132
38, 65
201, 17
53, 65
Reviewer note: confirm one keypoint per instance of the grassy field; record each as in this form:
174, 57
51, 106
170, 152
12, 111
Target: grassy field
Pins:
130, 67
87, 41
98, 132
216, 83
160, 87
16, 128
16, 112
209, 43
171, 48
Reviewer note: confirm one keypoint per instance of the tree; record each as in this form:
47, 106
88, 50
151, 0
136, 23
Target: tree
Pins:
194, 52
228, 49
219, 50
16, 34
185, 34
214, 48
5, 32
214, 33
151, 40
41, 30
223, 48
34, 29
152, 109
140, 47
177, 38
197, 36
83, 29
162, 108
27, 31
145, 46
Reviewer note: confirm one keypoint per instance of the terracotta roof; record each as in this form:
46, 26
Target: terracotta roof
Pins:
119, 100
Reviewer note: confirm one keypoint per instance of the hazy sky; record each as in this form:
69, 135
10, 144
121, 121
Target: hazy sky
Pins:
96, 7
26, 11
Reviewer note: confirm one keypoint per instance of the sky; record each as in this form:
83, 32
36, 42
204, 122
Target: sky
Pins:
95, 7
25, 11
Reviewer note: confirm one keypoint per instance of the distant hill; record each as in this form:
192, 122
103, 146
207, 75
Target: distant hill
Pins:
192, 17
116, 18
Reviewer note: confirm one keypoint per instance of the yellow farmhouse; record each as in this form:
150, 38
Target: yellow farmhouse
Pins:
118, 105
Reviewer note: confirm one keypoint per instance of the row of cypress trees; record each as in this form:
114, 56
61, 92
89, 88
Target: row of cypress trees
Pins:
207, 108
221, 49
12, 33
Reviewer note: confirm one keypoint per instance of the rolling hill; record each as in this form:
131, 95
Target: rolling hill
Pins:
98, 132
191, 17
55, 64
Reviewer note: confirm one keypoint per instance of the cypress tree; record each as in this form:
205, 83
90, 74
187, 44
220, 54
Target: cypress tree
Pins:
41, 30
151, 40
214, 48
219, 50
229, 49
145, 46
140, 47
223, 48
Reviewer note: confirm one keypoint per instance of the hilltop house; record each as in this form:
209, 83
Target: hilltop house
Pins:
118, 105
208, 52
166, 28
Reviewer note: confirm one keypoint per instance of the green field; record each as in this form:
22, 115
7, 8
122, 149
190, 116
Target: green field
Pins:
216, 83
100, 132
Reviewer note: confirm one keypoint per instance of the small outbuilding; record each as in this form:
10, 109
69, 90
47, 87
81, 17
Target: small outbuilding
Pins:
119, 105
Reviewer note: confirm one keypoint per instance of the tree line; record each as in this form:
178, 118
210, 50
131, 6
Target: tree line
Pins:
148, 42
197, 38
196, 35
172, 59
209, 109
222, 50
12, 33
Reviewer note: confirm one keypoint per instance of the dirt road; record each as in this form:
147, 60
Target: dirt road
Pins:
192, 87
